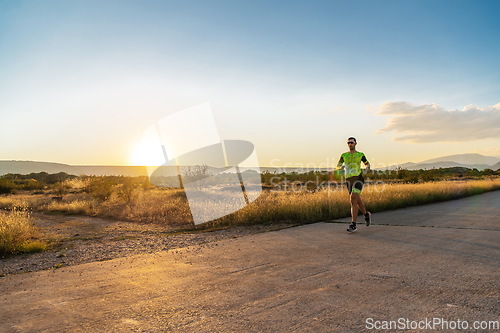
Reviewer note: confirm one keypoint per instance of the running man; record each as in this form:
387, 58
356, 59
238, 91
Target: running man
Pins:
351, 162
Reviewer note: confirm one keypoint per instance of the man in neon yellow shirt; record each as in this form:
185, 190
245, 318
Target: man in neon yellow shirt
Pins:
351, 163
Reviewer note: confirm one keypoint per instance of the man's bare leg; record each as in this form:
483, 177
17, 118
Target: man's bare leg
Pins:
361, 205
362, 208
354, 206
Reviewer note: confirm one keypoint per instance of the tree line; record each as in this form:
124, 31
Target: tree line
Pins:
398, 174
9, 183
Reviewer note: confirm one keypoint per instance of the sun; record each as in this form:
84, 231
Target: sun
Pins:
148, 152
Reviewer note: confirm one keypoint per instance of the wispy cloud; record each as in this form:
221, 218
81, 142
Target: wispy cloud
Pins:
431, 122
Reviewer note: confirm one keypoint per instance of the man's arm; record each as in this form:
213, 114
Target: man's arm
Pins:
341, 161
365, 161
335, 174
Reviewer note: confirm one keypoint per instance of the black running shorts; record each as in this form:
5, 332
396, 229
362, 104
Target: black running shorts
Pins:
355, 184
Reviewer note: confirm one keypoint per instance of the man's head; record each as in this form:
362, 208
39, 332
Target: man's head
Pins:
351, 142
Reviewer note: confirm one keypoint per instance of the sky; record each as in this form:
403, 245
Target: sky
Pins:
80, 81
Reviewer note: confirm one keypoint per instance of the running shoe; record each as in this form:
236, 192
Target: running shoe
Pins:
368, 218
352, 227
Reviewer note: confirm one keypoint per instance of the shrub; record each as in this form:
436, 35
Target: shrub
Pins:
31, 184
100, 188
6, 186
17, 231
126, 190
61, 188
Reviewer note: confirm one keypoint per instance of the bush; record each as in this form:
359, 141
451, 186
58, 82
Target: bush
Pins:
6, 186
16, 232
61, 188
100, 188
30, 184
126, 190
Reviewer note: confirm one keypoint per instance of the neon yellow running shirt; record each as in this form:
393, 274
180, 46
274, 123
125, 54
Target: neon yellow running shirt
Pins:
352, 163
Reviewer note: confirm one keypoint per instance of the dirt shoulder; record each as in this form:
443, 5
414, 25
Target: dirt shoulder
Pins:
81, 239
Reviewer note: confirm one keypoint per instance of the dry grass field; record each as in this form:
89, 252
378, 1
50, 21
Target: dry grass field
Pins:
170, 207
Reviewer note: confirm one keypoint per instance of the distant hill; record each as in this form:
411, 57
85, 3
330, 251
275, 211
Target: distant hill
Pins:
495, 167
438, 165
471, 161
465, 159
26, 167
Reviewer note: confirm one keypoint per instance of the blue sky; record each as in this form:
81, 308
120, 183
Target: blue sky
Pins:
81, 80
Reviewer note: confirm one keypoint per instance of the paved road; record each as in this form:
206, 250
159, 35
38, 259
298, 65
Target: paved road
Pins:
434, 261
477, 212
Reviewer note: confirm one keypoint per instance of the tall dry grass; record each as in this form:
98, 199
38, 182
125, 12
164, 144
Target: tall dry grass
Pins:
170, 206
17, 232
24, 201
163, 206
327, 204
405, 195
76, 207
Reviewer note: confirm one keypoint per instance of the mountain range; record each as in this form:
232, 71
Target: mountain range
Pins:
26, 167
471, 161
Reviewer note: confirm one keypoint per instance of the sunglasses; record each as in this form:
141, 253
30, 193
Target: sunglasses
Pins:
351, 142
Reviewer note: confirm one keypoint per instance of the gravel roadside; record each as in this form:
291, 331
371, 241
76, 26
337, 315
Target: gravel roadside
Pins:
81, 239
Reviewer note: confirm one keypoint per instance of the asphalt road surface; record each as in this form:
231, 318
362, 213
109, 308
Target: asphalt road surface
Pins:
428, 263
